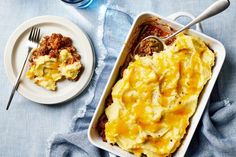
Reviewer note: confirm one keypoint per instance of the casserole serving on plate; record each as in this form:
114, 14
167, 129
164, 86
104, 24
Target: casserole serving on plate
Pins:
15, 53
127, 62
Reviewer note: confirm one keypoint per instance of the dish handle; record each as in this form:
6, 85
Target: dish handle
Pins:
176, 15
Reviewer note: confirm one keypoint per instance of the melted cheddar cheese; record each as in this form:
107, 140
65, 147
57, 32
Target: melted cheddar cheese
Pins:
47, 71
156, 97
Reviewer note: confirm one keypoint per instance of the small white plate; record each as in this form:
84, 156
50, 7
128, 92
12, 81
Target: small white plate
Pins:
16, 50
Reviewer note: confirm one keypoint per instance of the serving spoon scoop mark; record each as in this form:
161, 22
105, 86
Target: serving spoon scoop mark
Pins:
214, 9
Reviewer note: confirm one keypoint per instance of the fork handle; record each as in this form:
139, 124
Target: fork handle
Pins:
17, 82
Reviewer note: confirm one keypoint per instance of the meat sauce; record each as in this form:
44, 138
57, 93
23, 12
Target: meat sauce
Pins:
51, 45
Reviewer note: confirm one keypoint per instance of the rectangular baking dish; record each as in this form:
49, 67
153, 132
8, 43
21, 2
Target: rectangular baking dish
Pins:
215, 45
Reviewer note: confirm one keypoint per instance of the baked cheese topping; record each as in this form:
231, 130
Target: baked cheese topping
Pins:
156, 97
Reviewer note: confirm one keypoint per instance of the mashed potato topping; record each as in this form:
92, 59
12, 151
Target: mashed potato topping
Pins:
156, 97
46, 71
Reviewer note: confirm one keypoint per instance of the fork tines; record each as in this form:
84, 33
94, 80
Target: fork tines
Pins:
34, 35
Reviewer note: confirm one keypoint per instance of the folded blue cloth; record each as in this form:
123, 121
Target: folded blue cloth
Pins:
215, 135
76, 141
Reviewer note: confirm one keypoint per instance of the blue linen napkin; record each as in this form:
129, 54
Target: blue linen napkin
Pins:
75, 142
215, 135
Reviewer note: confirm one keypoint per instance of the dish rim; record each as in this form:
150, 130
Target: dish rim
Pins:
181, 150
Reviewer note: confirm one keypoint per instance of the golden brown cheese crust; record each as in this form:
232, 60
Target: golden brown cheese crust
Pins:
152, 27
156, 96
193, 90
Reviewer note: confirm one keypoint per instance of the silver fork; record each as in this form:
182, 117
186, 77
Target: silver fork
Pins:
33, 41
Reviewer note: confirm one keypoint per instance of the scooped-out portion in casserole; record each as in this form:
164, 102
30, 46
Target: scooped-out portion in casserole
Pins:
150, 106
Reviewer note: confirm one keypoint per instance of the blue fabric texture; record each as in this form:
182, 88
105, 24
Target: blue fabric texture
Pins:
76, 142
27, 126
216, 133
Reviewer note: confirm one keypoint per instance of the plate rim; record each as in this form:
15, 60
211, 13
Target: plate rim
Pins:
35, 21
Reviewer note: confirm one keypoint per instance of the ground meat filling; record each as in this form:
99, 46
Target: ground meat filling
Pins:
51, 45
103, 119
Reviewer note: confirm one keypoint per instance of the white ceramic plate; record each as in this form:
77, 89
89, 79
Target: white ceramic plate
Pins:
16, 50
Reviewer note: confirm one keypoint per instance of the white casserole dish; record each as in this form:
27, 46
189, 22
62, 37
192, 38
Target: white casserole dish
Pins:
215, 45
